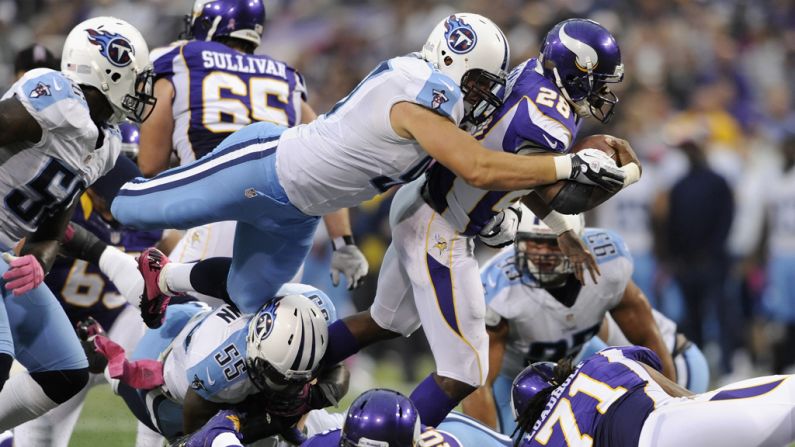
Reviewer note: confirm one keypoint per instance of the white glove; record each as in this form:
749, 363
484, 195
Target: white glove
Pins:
349, 261
501, 231
594, 167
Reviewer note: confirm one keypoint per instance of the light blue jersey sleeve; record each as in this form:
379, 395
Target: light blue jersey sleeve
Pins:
221, 376
499, 276
606, 245
53, 100
442, 95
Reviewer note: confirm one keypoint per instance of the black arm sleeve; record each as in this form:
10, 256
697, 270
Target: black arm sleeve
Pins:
83, 244
209, 277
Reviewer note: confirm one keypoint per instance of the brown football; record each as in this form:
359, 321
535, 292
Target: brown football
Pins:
570, 197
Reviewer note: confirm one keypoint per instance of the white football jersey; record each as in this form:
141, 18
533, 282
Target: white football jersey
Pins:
46, 176
781, 212
351, 153
667, 329
208, 355
541, 327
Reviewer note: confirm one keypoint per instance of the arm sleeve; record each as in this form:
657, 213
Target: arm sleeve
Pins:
163, 61
438, 93
55, 102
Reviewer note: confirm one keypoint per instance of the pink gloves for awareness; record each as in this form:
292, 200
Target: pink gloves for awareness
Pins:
24, 273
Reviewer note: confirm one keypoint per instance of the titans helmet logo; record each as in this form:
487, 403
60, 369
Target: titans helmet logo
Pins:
461, 38
264, 325
116, 48
439, 98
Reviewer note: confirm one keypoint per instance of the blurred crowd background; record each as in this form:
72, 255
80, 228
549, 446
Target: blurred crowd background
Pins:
706, 103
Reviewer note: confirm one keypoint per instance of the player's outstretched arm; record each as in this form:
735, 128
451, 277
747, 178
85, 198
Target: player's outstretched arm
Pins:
16, 124
635, 319
480, 404
570, 243
492, 170
154, 147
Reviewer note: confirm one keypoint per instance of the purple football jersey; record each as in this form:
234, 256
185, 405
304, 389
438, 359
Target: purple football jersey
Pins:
80, 287
218, 90
603, 401
534, 117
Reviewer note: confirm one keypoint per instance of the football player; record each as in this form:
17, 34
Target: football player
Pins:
386, 132
429, 276
537, 311
86, 293
213, 85
376, 417
58, 133
201, 360
619, 397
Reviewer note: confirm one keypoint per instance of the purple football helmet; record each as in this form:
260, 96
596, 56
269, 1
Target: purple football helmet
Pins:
530, 382
241, 19
581, 57
129, 139
382, 416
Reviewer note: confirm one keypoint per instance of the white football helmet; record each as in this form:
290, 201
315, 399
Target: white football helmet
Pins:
110, 55
473, 52
286, 340
538, 257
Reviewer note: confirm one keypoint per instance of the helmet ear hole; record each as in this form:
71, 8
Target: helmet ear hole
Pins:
448, 60
115, 76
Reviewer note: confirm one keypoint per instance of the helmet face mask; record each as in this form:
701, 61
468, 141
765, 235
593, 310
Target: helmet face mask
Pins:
139, 106
481, 91
582, 57
473, 52
538, 257
541, 262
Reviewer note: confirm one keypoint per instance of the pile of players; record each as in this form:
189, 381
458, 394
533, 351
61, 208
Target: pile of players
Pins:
466, 138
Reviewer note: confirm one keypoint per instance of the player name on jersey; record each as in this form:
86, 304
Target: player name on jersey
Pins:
243, 63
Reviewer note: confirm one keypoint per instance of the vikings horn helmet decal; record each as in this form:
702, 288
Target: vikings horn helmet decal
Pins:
586, 57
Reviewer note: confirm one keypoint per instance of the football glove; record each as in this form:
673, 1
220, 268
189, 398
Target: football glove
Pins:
24, 274
594, 167
349, 261
501, 231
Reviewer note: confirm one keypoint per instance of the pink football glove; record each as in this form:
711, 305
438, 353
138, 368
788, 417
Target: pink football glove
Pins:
25, 273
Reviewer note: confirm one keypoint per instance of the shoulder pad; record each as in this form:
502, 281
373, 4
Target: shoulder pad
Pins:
53, 99
606, 245
430, 88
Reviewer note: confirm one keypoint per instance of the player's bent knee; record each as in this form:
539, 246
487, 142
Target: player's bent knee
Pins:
61, 385
5, 368
455, 388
